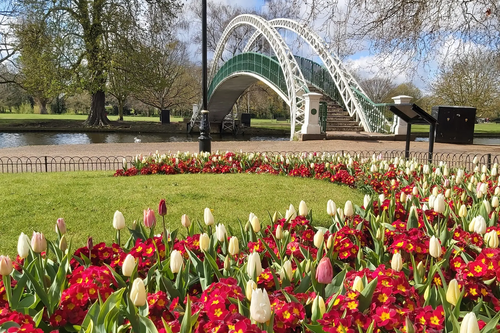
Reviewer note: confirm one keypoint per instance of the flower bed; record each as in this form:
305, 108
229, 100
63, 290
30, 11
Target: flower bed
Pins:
420, 255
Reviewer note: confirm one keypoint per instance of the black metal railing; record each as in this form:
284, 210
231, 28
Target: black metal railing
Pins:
61, 163
113, 163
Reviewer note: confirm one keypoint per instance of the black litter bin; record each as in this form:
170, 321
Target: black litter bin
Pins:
245, 119
455, 124
165, 116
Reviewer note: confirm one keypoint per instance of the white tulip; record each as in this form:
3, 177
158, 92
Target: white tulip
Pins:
435, 247
250, 287
234, 246
254, 265
208, 217
494, 202
357, 285
397, 262
128, 265
118, 221
204, 242
290, 214
138, 292
480, 225
462, 211
469, 324
439, 204
287, 270
220, 232
23, 245
319, 238
331, 208
348, 209
260, 306
176, 261
302, 208
453, 292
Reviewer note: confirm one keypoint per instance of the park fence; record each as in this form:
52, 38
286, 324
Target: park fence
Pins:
113, 163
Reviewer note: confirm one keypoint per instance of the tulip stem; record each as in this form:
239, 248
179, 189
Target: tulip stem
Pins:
118, 237
8, 288
165, 236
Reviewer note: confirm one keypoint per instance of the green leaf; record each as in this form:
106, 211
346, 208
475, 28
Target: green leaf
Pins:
91, 317
147, 325
40, 290
271, 252
197, 263
172, 292
492, 323
186, 324
304, 285
58, 285
137, 234
213, 264
118, 277
365, 298
18, 290
116, 298
314, 328
336, 284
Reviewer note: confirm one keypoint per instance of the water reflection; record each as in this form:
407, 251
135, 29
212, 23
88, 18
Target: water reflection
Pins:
8, 140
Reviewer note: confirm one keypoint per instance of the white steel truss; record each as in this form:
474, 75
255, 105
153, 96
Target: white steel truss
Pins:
295, 82
340, 75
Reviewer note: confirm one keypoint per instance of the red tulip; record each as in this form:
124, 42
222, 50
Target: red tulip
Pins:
149, 218
162, 208
324, 272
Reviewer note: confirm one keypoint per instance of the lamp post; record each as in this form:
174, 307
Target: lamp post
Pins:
205, 141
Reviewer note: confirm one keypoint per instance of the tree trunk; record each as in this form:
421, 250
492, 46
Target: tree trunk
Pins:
42, 105
120, 110
97, 115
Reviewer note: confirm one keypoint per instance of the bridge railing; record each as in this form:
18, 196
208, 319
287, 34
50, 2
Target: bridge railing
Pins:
378, 115
323, 114
253, 63
320, 78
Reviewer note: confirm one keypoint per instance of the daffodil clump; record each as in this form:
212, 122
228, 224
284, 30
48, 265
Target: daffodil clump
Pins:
420, 254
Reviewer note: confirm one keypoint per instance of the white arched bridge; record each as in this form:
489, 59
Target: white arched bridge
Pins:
300, 82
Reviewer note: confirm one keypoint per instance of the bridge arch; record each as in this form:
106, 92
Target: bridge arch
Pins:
295, 82
354, 99
239, 73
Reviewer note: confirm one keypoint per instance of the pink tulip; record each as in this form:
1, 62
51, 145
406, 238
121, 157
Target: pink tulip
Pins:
149, 218
61, 225
324, 272
5, 265
38, 242
162, 208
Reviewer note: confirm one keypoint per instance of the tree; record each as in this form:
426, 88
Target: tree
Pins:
88, 23
7, 49
377, 89
472, 79
408, 89
168, 81
218, 17
39, 74
411, 32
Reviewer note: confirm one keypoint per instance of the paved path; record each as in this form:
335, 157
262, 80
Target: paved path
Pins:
132, 149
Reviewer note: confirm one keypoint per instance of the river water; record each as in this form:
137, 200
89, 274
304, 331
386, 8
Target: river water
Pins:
8, 140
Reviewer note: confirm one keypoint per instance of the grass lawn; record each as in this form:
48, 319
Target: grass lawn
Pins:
490, 128
87, 201
16, 117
